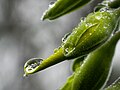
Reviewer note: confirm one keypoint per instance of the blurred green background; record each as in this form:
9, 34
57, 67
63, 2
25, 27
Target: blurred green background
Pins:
23, 36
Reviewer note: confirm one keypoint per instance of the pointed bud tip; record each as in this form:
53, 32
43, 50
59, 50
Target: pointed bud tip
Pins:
42, 18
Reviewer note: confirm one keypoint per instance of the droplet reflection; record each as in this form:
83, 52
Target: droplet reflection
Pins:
31, 65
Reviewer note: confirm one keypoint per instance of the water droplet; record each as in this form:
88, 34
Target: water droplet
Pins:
65, 37
31, 64
82, 19
104, 9
98, 17
44, 16
112, 34
51, 4
66, 50
89, 24
104, 27
69, 50
90, 33
105, 3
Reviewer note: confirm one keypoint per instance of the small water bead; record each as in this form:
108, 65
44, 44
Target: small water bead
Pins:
90, 33
105, 27
82, 19
52, 4
98, 17
65, 37
104, 9
105, 3
89, 24
66, 50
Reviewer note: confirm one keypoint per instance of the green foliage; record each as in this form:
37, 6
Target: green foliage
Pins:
94, 71
91, 44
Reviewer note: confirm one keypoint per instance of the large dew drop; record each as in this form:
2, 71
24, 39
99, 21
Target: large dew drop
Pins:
31, 65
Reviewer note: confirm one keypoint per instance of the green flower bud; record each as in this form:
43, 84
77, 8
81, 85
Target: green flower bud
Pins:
92, 32
95, 70
61, 7
92, 73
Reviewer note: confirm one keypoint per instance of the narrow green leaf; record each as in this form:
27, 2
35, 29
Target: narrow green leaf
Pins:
62, 7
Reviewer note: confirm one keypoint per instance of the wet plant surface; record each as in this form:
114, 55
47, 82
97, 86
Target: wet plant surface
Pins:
92, 44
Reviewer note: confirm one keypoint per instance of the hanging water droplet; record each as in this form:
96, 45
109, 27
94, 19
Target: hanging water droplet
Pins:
31, 64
